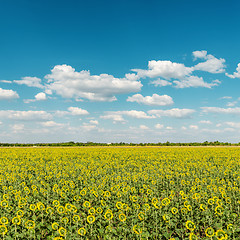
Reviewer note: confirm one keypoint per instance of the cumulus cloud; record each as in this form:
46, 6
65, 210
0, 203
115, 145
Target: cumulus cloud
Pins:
113, 116
226, 97
52, 124
194, 127
200, 54
212, 64
30, 82
174, 113
233, 124
143, 127
38, 97
165, 69
235, 110
25, 115
17, 127
68, 83
205, 122
194, 81
231, 104
155, 99
159, 126
161, 83
117, 116
41, 96
75, 111
235, 74
6, 94
94, 122
135, 114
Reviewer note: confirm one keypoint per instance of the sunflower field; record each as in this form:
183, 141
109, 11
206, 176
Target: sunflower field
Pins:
120, 193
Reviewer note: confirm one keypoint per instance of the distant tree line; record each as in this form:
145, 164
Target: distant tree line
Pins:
81, 144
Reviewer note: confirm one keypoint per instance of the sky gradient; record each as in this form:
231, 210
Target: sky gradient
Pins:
131, 71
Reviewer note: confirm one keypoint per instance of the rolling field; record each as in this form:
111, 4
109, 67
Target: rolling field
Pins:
120, 193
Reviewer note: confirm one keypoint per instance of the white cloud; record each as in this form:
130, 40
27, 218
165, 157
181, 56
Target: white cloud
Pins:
194, 81
169, 128
200, 54
194, 127
25, 115
235, 110
235, 74
159, 126
17, 127
143, 127
231, 104
30, 82
5, 81
117, 116
233, 124
75, 111
88, 127
94, 122
226, 97
113, 116
52, 124
6, 94
156, 99
212, 64
174, 113
40, 96
68, 83
183, 128
205, 122
135, 114
165, 69
160, 83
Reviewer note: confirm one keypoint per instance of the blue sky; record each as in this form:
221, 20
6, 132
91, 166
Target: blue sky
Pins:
107, 71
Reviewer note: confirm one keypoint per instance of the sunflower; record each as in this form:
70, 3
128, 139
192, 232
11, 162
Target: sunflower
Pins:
4, 203
65, 220
137, 229
82, 231
29, 224
49, 210
210, 201
119, 205
87, 204
165, 201
108, 215
122, 217
62, 231
219, 210
76, 218
146, 207
174, 210
20, 213
90, 219
209, 232
56, 203
55, 226
61, 209
32, 207
3, 230
99, 210
91, 210
192, 236
40, 206
221, 235
16, 220
141, 216
190, 225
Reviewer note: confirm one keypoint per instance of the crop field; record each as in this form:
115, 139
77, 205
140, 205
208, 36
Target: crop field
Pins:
120, 193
